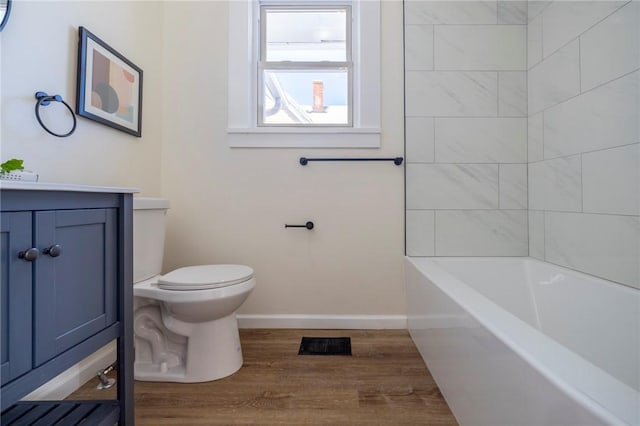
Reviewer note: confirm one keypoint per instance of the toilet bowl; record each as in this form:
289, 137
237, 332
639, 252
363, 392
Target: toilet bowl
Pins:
184, 322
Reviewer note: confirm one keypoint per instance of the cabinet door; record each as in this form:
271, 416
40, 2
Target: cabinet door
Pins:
15, 300
75, 284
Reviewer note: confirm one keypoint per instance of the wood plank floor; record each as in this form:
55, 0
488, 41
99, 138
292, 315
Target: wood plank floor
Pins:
385, 382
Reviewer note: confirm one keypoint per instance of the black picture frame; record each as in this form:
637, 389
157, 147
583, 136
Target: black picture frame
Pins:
5, 10
109, 88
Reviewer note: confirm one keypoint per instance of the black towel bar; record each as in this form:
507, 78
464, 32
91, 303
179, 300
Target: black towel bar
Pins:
396, 160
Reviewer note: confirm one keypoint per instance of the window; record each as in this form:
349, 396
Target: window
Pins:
304, 73
305, 70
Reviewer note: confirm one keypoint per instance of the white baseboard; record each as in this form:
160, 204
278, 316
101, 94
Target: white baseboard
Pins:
345, 322
73, 378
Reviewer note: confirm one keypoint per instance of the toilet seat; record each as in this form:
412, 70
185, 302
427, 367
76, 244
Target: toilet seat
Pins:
205, 277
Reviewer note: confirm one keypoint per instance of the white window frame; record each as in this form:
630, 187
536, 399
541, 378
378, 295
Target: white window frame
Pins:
244, 50
302, 66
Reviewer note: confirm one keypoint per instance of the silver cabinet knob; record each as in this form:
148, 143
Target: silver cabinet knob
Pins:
29, 255
53, 251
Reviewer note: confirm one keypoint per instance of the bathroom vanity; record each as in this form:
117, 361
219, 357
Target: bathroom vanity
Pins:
66, 280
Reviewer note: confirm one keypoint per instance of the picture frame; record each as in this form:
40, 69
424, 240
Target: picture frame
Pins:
109, 88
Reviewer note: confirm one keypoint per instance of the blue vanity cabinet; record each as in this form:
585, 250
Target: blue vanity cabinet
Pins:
15, 297
74, 278
66, 272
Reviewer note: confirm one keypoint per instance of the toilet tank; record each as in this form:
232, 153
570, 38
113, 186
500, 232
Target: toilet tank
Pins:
149, 227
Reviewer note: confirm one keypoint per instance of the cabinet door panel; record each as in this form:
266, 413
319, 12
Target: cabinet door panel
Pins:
75, 292
15, 300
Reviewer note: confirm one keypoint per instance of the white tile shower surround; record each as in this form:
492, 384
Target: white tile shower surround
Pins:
466, 127
481, 140
611, 48
534, 41
480, 47
419, 139
451, 93
421, 238
582, 128
535, 141
611, 181
465, 94
451, 12
606, 246
556, 184
513, 186
563, 21
535, 7
452, 186
419, 47
467, 233
583, 148
555, 79
536, 234
481, 232
512, 89
512, 12
601, 118
469, 12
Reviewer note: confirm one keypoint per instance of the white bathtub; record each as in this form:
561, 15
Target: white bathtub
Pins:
516, 341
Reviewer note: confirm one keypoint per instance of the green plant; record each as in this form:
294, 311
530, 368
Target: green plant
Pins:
11, 165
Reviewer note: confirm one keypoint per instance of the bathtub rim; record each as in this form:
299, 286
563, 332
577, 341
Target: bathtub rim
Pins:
555, 362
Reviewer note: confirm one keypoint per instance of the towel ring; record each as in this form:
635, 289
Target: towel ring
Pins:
44, 100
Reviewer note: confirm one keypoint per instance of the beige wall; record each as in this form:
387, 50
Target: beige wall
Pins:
39, 53
230, 205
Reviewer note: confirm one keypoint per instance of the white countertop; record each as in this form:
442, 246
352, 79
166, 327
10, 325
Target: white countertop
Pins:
51, 186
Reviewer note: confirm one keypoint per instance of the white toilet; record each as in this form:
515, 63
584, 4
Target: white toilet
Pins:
184, 321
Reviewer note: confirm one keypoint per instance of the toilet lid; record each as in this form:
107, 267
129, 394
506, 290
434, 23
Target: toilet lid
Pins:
205, 277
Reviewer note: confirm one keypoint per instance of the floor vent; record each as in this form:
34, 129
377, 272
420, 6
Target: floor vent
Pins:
325, 346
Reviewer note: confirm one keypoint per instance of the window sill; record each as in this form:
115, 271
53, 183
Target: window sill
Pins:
291, 137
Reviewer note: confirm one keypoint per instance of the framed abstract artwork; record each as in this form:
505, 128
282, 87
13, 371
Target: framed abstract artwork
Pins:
109, 86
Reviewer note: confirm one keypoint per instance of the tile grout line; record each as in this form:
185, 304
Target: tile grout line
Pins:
583, 32
581, 184
433, 122
575, 212
589, 90
498, 94
544, 235
580, 64
593, 151
434, 233
433, 47
499, 191
543, 131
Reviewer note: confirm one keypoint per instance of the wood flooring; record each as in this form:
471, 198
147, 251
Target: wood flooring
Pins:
384, 382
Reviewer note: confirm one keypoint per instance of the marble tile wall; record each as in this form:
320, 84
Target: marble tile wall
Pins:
583, 136
466, 128
523, 132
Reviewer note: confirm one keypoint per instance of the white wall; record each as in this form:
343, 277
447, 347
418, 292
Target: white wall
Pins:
584, 150
39, 53
230, 205
466, 124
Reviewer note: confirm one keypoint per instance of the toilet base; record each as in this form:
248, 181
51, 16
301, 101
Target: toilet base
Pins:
213, 352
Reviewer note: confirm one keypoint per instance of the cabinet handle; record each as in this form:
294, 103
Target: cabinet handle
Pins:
53, 251
29, 255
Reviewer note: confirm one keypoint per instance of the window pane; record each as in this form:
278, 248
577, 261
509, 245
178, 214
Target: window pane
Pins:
306, 35
306, 97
